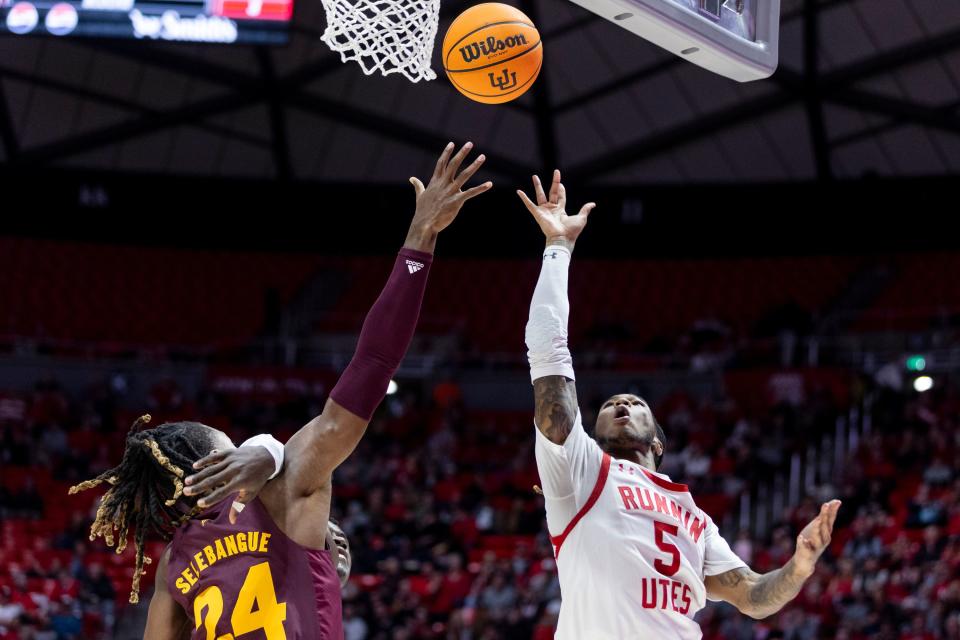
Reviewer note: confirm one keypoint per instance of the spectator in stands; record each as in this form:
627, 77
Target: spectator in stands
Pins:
696, 464
10, 611
925, 510
743, 546
27, 501
354, 626
938, 474
498, 596
98, 593
880, 582
863, 544
64, 622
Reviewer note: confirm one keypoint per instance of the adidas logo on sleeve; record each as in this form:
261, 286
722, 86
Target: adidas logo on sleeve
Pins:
413, 267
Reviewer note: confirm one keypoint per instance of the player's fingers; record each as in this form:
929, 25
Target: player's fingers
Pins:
555, 186
193, 482
532, 208
442, 160
825, 532
475, 191
418, 187
471, 169
824, 517
211, 458
834, 510
561, 196
587, 208
538, 190
457, 160
815, 535
219, 493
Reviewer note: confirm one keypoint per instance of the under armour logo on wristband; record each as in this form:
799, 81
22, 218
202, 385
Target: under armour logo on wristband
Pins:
552, 255
413, 267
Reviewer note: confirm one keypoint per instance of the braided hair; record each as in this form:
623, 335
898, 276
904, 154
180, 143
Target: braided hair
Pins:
146, 491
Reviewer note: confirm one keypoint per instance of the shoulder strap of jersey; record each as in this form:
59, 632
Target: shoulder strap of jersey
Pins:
592, 500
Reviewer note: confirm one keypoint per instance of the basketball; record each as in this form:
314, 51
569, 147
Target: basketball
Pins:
492, 53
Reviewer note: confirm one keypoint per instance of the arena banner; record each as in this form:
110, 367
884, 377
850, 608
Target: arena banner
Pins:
758, 389
269, 383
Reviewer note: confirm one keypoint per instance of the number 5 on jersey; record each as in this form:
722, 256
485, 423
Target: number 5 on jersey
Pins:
257, 607
659, 529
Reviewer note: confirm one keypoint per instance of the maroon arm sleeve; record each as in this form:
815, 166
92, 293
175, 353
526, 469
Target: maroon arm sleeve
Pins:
385, 336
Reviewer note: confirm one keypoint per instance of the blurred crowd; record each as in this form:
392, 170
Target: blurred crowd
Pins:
448, 534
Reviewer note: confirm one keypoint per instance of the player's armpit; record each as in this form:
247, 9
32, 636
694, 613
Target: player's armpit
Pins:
758, 596
311, 455
556, 406
166, 620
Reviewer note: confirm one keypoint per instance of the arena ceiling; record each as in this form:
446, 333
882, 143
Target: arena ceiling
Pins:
865, 87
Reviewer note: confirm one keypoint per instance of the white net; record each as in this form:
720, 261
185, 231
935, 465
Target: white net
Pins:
389, 36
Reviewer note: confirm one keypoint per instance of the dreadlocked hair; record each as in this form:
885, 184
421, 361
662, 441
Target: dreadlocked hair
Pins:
146, 488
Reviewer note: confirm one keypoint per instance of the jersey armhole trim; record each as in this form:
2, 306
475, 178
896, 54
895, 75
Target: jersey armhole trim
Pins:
592, 500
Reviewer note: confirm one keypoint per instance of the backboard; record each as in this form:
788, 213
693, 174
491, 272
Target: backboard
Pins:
738, 39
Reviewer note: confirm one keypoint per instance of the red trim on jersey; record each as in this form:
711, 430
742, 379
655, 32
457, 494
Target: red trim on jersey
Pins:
666, 484
592, 500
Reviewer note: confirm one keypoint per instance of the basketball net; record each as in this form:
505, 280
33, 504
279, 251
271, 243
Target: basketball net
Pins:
389, 36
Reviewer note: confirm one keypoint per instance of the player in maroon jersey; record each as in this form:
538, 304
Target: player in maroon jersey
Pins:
272, 572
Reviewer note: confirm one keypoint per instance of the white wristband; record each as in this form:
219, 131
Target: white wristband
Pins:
271, 444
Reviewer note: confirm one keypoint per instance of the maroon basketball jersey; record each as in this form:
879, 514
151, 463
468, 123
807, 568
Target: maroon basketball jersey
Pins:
249, 581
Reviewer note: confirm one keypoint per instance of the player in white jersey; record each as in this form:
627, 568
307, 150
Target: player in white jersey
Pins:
637, 558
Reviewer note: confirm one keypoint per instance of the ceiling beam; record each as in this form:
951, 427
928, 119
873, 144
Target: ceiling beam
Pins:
164, 57
144, 125
791, 91
618, 84
704, 125
278, 118
543, 114
428, 140
83, 93
883, 127
287, 93
943, 118
8, 134
811, 100
670, 62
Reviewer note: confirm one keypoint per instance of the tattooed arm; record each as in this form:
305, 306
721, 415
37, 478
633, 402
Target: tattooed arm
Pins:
556, 406
551, 366
760, 596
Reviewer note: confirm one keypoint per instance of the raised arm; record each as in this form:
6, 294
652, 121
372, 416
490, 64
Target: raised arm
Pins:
760, 596
318, 448
551, 366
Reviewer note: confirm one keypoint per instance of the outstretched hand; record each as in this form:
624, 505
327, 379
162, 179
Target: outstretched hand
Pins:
815, 537
243, 470
551, 214
439, 202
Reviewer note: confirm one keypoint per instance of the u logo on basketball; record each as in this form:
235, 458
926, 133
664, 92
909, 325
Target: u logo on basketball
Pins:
504, 81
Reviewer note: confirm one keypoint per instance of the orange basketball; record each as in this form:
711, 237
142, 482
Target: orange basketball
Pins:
492, 53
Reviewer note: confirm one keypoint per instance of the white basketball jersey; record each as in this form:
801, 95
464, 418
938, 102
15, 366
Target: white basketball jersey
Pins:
632, 547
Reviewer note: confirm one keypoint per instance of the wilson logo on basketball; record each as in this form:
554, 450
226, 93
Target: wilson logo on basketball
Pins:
490, 46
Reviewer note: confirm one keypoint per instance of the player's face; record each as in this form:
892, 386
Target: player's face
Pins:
337, 538
626, 421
